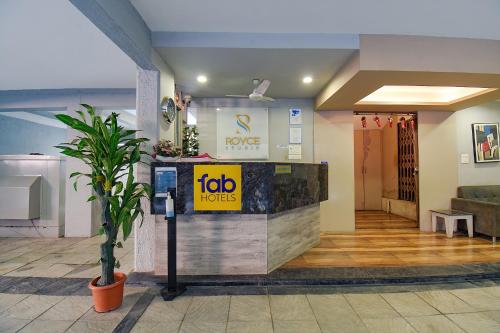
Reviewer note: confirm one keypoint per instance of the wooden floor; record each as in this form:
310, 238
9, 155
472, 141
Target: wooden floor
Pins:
384, 239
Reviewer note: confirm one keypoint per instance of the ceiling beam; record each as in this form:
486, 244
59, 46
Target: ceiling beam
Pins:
121, 22
162, 39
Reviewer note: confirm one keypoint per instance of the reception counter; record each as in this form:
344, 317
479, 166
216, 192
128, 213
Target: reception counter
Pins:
240, 217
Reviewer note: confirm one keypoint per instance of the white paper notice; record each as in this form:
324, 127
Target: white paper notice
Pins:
295, 149
295, 135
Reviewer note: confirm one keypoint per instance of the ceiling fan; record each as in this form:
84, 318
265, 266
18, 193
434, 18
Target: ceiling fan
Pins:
258, 93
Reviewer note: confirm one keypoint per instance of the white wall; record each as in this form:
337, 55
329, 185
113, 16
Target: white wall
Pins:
438, 172
167, 89
334, 143
278, 125
476, 173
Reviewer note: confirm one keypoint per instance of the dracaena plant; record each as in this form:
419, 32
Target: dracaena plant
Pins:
111, 152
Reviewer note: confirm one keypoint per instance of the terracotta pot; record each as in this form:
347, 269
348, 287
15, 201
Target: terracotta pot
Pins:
108, 298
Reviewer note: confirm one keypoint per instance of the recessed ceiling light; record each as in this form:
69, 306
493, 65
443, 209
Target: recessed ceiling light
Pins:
307, 79
218, 109
422, 95
201, 79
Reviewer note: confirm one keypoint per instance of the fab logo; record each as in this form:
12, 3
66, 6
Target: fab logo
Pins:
217, 187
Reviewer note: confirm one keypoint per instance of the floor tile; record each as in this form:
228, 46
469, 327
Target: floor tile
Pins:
9, 325
494, 291
262, 326
295, 326
409, 304
371, 306
434, 324
148, 326
335, 314
495, 315
342, 327
161, 311
291, 307
6, 267
70, 308
208, 309
8, 300
389, 325
445, 301
478, 298
249, 308
31, 307
47, 326
92, 327
203, 327
475, 322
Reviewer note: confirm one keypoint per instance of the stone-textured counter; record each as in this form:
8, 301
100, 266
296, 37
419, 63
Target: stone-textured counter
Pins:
264, 191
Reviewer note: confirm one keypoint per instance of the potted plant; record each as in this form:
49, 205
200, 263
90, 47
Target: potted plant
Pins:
111, 153
165, 150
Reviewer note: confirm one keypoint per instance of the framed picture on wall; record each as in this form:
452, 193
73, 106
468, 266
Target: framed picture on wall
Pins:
485, 137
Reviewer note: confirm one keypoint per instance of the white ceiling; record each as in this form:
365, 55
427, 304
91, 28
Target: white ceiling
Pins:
444, 18
49, 44
230, 71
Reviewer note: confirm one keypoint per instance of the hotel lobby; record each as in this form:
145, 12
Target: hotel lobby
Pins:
257, 167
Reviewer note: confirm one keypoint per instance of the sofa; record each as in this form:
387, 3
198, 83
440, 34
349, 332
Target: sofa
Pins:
484, 203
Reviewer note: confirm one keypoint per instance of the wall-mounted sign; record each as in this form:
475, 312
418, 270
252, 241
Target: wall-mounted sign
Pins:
242, 133
295, 116
282, 169
217, 187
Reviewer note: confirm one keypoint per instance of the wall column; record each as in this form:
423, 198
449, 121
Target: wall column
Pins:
148, 120
437, 162
334, 143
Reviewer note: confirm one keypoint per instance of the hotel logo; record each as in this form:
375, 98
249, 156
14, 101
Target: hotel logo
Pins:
217, 187
242, 140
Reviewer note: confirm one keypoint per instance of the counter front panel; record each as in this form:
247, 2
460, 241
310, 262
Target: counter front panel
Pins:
266, 187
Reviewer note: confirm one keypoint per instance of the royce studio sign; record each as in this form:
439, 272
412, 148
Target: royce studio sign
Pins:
242, 133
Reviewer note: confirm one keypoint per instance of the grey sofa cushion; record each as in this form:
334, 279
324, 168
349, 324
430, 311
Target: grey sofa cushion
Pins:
487, 193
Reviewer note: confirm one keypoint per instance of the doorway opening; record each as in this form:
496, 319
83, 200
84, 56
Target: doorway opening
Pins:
386, 170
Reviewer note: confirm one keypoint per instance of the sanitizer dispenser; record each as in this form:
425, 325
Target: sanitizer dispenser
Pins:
165, 190
169, 206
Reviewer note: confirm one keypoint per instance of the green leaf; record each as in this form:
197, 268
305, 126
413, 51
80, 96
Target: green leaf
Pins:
119, 245
100, 231
118, 187
76, 124
75, 185
127, 228
91, 198
117, 264
82, 115
89, 108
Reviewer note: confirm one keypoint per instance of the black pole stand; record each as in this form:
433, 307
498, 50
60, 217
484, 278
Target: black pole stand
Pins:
172, 290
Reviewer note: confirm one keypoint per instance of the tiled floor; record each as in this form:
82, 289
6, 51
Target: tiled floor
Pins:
427, 309
63, 257
461, 310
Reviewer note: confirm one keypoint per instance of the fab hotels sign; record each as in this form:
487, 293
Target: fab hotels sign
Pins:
242, 133
217, 187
